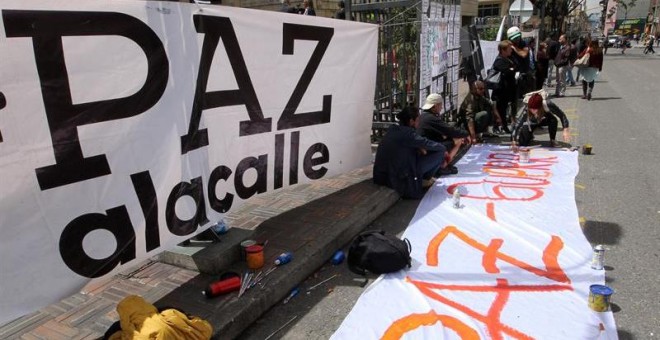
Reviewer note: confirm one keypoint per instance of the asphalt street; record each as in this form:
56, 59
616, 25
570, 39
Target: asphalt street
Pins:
618, 198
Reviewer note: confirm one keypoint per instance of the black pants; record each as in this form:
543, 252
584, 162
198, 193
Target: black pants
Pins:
525, 137
501, 108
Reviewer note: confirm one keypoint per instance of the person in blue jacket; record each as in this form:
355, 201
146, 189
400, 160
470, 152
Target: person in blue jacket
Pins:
406, 161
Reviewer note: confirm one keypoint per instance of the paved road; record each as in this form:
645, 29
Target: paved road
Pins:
617, 192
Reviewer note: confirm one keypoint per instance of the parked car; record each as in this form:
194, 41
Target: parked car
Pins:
616, 41
613, 40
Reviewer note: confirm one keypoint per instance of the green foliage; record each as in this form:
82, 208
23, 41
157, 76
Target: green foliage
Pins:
401, 35
489, 33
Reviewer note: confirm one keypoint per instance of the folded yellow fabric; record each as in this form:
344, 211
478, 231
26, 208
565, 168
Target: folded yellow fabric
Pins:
141, 320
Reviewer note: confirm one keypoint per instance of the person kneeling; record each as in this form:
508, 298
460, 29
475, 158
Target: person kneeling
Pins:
477, 112
539, 112
406, 161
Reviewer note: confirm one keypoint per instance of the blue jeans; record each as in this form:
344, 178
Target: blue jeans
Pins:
430, 163
569, 74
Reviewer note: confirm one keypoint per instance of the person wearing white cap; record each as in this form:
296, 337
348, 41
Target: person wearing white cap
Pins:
520, 56
434, 128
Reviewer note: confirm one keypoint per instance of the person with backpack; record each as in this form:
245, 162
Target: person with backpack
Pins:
539, 112
406, 161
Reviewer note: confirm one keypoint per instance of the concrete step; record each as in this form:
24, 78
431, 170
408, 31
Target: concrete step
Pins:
313, 232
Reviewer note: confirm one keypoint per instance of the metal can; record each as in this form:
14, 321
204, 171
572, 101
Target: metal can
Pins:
598, 257
456, 198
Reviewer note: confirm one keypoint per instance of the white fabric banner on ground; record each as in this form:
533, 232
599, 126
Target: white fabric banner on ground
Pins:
130, 126
510, 263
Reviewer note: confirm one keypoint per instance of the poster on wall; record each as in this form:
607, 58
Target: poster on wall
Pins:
437, 48
130, 127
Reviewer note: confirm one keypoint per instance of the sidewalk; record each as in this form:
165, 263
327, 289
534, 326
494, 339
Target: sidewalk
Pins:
311, 220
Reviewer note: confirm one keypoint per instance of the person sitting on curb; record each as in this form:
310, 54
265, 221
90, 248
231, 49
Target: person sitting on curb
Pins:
406, 161
477, 112
539, 112
434, 128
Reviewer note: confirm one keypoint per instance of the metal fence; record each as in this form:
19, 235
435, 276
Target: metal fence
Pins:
398, 55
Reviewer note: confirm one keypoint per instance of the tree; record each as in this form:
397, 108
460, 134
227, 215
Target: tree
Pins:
558, 11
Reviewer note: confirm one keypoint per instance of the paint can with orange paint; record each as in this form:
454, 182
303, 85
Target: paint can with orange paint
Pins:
599, 297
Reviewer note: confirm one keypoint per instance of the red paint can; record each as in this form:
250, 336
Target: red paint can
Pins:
223, 286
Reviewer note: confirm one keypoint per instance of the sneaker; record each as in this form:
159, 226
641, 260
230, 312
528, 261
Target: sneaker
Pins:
588, 96
496, 130
450, 170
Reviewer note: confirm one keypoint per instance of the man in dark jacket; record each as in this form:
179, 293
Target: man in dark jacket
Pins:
434, 128
561, 63
405, 161
477, 112
505, 96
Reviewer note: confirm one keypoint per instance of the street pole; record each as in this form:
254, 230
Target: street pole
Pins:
654, 28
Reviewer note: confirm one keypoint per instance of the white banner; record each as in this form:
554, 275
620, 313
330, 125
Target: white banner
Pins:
510, 263
130, 126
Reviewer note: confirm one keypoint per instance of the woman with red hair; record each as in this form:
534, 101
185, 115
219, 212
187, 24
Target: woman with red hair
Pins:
539, 112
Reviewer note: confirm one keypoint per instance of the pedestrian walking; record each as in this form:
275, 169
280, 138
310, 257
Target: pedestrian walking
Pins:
572, 56
590, 73
583, 44
552, 50
542, 65
561, 63
649, 45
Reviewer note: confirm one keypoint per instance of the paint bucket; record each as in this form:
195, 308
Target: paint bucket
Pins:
244, 245
255, 256
599, 297
524, 155
586, 149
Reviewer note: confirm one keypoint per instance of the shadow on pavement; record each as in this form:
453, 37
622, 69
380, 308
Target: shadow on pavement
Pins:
598, 232
625, 335
604, 98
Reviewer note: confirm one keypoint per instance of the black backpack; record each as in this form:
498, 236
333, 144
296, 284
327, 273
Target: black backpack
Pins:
378, 253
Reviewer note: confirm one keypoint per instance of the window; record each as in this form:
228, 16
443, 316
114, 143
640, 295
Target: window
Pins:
488, 10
